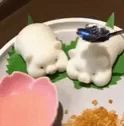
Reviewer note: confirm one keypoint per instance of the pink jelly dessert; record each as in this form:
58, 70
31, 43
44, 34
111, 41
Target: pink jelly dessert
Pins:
25, 101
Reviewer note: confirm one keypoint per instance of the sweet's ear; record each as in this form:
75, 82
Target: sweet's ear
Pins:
72, 53
58, 45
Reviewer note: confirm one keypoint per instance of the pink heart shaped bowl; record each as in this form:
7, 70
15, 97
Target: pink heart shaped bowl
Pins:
25, 101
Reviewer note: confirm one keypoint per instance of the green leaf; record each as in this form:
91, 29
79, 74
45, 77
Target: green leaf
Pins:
111, 21
119, 65
118, 70
30, 20
57, 76
72, 45
15, 62
77, 84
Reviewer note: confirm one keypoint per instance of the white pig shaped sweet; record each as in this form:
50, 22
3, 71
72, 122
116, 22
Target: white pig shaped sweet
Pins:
43, 53
93, 62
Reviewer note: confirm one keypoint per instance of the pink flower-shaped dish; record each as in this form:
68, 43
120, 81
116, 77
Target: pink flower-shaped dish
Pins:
25, 101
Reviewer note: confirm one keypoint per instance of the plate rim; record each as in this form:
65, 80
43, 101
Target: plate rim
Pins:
51, 22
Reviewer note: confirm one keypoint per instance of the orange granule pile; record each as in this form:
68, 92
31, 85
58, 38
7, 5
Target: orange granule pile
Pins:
94, 117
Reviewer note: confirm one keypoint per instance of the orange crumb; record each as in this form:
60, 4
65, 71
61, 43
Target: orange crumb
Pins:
66, 111
94, 117
110, 101
95, 102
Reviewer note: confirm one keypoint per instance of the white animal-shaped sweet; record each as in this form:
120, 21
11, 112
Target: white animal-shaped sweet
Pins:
42, 52
93, 62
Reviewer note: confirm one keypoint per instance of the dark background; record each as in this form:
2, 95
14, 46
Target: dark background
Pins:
13, 13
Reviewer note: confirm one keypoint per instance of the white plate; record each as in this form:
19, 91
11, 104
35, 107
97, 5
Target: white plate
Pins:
73, 100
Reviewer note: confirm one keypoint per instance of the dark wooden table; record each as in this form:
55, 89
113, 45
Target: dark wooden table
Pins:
13, 18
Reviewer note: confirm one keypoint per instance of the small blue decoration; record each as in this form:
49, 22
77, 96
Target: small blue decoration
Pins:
96, 34
93, 33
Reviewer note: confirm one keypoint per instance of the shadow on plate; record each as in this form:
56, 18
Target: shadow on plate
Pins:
58, 121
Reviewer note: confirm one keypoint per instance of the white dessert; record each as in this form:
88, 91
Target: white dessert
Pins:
93, 62
42, 52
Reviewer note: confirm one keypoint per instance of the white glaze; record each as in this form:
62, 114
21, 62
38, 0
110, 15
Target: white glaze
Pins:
41, 50
92, 62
